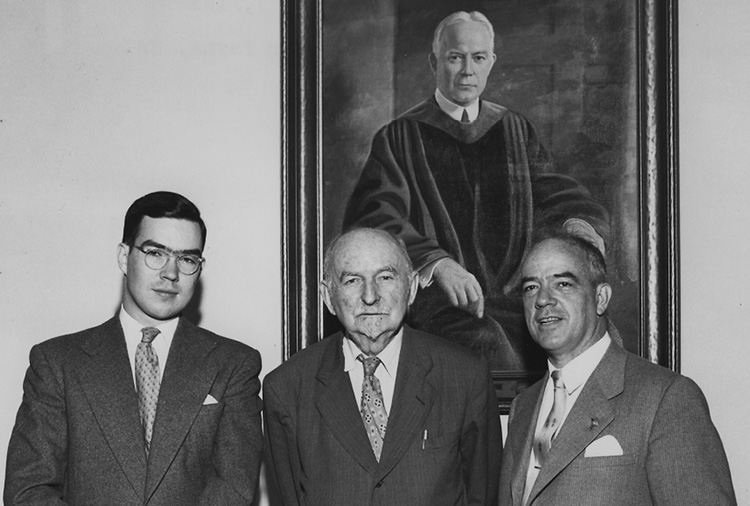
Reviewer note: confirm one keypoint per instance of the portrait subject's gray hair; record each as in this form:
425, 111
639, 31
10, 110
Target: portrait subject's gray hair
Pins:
460, 17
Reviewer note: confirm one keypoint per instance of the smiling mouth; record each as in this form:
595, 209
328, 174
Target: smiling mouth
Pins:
548, 320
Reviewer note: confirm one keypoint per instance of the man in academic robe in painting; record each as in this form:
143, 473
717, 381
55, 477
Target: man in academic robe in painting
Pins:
466, 183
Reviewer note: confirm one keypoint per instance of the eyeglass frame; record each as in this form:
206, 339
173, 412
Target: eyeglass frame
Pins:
177, 255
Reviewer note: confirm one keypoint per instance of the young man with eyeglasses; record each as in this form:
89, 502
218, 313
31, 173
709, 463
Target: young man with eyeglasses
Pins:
146, 408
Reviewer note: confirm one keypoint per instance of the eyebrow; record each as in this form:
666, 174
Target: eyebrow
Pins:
149, 242
566, 274
388, 268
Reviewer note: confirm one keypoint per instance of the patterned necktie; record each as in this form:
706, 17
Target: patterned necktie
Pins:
372, 409
543, 440
465, 117
147, 382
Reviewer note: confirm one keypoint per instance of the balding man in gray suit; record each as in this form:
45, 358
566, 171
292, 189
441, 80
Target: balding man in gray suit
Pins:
604, 427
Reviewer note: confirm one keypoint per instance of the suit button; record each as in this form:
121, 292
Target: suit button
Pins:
379, 484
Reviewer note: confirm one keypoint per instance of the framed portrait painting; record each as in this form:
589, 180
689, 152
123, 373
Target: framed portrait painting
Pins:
594, 83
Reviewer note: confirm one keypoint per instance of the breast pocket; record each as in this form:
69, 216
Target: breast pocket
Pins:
440, 442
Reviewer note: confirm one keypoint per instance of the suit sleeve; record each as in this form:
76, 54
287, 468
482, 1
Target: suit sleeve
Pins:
37, 452
282, 453
238, 445
387, 195
686, 463
481, 442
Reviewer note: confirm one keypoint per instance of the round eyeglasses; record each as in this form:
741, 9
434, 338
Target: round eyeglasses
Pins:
157, 258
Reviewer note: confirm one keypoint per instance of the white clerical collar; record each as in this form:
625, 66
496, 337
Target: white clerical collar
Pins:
455, 111
388, 357
577, 371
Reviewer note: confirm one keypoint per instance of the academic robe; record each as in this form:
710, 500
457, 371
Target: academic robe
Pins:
476, 193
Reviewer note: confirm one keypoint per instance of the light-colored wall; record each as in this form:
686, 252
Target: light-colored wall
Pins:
714, 54
103, 102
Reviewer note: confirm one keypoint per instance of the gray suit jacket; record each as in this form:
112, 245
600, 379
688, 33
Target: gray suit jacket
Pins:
672, 454
78, 439
320, 451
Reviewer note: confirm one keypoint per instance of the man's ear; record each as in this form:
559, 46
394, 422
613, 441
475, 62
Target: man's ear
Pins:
122, 257
433, 62
325, 293
603, 294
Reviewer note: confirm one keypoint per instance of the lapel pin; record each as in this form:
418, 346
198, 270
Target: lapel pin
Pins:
594, 424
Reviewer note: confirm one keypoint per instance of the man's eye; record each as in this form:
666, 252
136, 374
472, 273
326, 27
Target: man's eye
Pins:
191, 261
156, 253
528, 288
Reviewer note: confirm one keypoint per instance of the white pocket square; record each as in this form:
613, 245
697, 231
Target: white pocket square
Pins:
606, 446
210, 399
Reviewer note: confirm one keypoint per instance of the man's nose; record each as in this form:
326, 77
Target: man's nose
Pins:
544, 297
370, 293
170, 270
468, 67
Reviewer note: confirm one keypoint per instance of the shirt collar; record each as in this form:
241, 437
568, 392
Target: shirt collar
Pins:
132, 328
454, 110
577, 371
388, 357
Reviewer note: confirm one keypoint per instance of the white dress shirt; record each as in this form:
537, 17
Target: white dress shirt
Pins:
455, 111
160, 344
574, 376
386, 371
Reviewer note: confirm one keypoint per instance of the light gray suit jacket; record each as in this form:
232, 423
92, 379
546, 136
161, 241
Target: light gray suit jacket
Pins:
320, 451
672, 454
78, 439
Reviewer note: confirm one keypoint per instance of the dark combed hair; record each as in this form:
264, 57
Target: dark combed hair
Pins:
161, 204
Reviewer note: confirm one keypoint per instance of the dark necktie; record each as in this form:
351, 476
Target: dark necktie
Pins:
543, 440
372, 408
147, 382
465, 117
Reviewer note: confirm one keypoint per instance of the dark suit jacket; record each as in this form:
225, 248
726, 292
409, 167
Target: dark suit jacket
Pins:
672, 454
78, 439
320, 451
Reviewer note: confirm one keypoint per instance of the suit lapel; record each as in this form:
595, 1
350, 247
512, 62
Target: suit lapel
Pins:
590, 415
413, 398
107, 381
524, 416
338, 406
185, 385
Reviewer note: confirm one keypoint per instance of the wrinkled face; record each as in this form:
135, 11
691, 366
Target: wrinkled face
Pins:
463, 62
561, 304
152, 296
370, 289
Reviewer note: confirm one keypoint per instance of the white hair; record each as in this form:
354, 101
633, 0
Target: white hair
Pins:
460, 17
